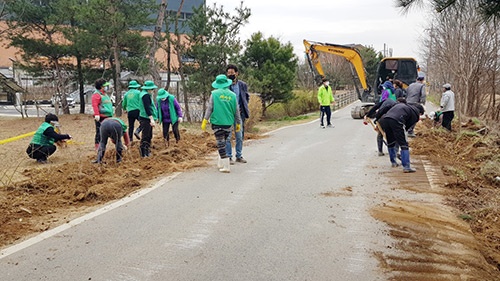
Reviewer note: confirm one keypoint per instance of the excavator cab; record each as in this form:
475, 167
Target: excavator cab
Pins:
403, 69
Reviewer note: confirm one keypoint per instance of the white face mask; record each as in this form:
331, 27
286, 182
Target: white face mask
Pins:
327, 83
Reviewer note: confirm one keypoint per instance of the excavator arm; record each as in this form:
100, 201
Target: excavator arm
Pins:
349, 53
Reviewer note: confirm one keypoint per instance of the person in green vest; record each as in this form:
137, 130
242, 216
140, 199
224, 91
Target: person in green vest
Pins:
42, 144
169, 112
147, 117
102, 106
223, 112
131, 105
113, 128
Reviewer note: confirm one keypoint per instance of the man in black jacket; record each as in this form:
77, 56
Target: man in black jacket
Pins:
395, 122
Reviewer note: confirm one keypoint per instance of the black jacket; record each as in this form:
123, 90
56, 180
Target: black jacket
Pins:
405, 114
380, 108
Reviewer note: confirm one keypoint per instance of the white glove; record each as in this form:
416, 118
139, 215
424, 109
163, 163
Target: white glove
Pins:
97, 118
179, 119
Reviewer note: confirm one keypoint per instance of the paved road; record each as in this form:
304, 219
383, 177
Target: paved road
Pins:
298, 210
33, 111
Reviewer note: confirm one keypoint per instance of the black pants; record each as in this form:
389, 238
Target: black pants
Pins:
394, 132
147, 135
447, 117
175, 130
97, 138
40, 152
132, 116
325, 109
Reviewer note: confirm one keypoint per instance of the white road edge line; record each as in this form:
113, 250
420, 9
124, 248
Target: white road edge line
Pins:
51, 232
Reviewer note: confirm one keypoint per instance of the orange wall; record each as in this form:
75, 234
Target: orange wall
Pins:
6, 52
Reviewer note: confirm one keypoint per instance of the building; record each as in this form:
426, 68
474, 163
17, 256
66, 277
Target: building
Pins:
10, 56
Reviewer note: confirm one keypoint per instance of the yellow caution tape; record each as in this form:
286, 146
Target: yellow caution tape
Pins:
17, 138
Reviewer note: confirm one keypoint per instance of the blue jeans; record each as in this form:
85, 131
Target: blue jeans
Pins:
239, 142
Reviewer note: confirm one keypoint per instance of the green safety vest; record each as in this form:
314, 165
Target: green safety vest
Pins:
224, 107
131, 100
106, 106
143, 110
41, 139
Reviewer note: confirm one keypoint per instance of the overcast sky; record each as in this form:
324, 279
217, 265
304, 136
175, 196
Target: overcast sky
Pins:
366, 22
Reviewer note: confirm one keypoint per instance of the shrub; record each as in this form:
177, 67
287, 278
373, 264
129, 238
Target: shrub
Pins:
255, 107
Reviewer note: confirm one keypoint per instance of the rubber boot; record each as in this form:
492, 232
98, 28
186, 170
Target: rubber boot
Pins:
392, 156
405, 161
219, 163
380, 145
225, 166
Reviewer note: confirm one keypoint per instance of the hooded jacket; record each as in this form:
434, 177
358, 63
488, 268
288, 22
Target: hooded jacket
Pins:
325, 95
448, 101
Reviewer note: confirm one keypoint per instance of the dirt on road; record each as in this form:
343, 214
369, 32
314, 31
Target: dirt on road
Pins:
35, 197
458, 240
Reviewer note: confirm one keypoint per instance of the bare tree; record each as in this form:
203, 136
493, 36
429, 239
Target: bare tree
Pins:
153, 69
460, 50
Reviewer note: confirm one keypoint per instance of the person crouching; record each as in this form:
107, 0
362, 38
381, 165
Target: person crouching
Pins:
42, 144
114, 129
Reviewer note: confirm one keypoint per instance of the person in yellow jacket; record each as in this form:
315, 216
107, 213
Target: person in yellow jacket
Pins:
325, 99
222, 111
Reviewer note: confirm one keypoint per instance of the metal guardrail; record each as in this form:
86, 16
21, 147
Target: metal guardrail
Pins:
344, 98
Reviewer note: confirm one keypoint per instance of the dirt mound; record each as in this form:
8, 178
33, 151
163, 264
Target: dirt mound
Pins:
470, 159
35, 197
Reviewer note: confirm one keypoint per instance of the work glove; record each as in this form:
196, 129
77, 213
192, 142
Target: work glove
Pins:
97, 118
238, 127
179, 119
204, 124
152, 121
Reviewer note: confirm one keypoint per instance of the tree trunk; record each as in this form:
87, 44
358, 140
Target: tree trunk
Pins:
264, 108
61, 91
169, 60
80, 82
118, 70
153, 69
178, 50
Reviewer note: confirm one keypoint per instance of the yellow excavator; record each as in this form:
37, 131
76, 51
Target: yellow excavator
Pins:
404, 69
